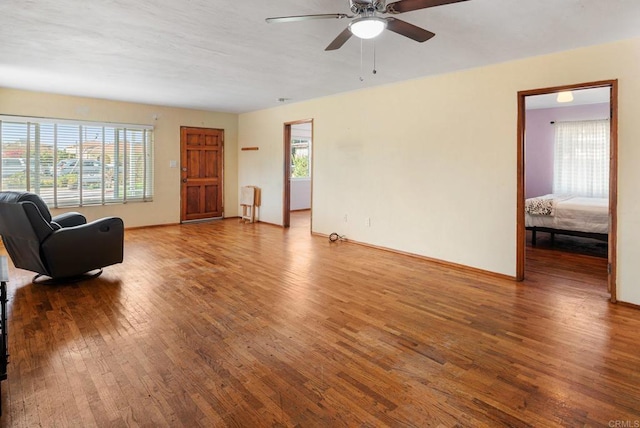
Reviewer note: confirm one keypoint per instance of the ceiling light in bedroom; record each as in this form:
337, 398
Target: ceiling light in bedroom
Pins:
565, 97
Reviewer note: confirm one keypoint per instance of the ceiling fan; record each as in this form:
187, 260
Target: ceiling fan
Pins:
368, 24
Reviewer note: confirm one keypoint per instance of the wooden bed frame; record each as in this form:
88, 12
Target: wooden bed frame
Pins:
553, 232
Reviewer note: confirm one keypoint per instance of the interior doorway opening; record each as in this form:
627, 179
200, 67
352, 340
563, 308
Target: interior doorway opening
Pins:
587, 101
298, 170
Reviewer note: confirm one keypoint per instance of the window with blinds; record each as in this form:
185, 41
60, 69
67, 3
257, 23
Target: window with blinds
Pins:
581, 158
75, 163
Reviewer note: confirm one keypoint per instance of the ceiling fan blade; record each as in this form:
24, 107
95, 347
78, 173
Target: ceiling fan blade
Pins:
339, 41
409, 5
408, 30
308, 17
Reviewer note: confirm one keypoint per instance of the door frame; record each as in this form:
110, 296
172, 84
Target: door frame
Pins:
613, 176
286, 200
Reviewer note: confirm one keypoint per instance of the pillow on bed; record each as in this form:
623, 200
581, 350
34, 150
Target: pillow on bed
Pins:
539, 206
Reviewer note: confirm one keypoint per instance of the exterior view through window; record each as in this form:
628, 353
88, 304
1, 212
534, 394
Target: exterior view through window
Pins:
300, 158
72, 163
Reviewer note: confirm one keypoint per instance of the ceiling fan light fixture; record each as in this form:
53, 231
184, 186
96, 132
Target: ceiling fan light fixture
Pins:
564, 97
367, 27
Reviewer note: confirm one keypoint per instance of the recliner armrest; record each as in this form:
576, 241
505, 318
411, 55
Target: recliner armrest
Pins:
69, 219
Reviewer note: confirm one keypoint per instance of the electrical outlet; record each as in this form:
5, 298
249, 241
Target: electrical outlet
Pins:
345, 218
367, 221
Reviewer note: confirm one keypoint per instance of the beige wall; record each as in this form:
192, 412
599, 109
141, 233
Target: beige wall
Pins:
432, 162
165, 208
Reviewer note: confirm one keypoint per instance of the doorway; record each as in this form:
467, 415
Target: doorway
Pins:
201, 173
298, 170
523, 98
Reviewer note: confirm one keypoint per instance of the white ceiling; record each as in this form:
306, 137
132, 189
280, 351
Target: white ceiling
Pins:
223, 56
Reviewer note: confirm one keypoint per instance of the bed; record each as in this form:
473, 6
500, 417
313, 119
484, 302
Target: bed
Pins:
568, 215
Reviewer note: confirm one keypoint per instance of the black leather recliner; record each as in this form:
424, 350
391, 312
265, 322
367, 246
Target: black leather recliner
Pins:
62, 247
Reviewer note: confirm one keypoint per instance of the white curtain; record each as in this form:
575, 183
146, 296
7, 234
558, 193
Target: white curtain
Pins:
581, 158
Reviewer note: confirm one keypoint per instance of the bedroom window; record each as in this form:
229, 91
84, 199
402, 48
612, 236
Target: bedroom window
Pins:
581, 158
75, 163
300, 158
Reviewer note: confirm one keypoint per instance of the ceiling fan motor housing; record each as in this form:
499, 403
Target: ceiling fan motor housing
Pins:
362, 6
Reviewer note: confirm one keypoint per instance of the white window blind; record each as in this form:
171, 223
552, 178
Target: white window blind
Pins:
581, 158
74, 163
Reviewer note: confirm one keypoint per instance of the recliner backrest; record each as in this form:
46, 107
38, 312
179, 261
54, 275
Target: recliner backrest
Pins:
15, 197
21, 239
36, 210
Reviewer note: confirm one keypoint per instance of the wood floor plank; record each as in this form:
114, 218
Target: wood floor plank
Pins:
233, 324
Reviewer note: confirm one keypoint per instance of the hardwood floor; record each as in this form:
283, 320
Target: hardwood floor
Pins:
248, 325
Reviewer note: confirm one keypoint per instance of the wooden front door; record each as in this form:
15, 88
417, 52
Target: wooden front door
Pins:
201, 157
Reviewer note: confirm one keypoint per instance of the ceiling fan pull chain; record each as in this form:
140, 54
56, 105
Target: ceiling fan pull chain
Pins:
361, 68
374, 57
